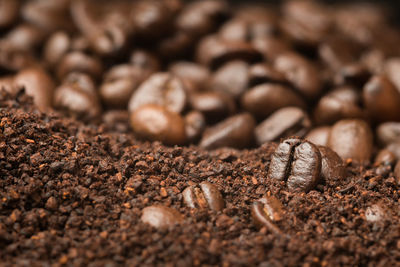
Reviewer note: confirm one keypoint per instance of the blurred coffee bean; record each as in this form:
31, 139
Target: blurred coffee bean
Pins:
175, 46
7, 83
392, 70
214, 105
203, 196
264, 99
194, 74
319, 135
231, 78
236, 131
195, 123
341, 103
388, 132
25, 37
9, 11
119, 84
116, 120
385, 157
352, 139
38, 84
337, 51
201, 17
271, 47
157, 123
353, 74
15, 59
375, 213
163, 89
394, 148
300, 72
298, 163
283, 123
381, 99
397, 172
267, 210
264, 73
373, 60
214, 51
332, 167
145, 61
110, 40
56, 47
78, 97
160, 216
79, 62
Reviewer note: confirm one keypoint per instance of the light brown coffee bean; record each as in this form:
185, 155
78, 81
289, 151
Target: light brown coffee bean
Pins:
161, 217
156, 123
385, 157
195, 74
79, 62
388, 132
203, 196
267, 210
195, 123
57, 45
319, 135
264, 73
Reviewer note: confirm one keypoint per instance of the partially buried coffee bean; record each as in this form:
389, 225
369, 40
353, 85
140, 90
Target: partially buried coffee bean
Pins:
266, 211
203, 196
160, 216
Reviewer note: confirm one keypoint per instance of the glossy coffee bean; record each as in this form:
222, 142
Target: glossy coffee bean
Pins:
298, 163
38, 84
267, 210
195, 74
203, 196
195, 123
57, 45
231, 78
300, 72
9, 10
160, 216
236, 131
319, 135
265, 73
145, 61
157, 123
25, 37
352, 139
332, 167
388, 132
381, 99
213, 51
214, 105
385, 157
262, 100
341, 103
79, 62
283, 123
271, 47
162, 89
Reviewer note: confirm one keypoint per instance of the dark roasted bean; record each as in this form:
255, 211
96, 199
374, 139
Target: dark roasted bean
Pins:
332, 167
388, 132
160, 216
195, 123
214, 105
203, 196
79, 62
194, 74
145, 61
56, 47
319, 135
264, 73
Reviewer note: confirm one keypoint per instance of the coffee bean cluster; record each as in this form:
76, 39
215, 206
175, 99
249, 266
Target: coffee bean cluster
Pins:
215, 74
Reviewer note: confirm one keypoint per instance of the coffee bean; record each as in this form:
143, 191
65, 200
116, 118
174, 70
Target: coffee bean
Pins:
332, 167
385, 157
14, 59
392, 69
231, 78
9, 10
56, 47
283, 123
267, 210
341, 103
381, 99
156, 123
194, 74
394, 148
7, 83
353, 74
319, 135
300, 72
79, 62
195, 123
351, 139
38, 84
271, 47
145, 61
388, 132
162, 89
214, 52
160, 216
236, 131
297, 162
397, 172
375, 213
264, 73
203, 196
116, 120
176, 46
262, 100
214, 105
111, 38
25, 37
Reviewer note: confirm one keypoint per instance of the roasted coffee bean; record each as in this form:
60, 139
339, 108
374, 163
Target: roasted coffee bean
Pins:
267, 210
341, 103
300, 72
7, 83
271, 47
175, 46
236, 131
298, 162
194, 74
319, 135
56, 47
145, 61
160, 216
119, 84
214, 52
78, 97
264, 73
157, 123
15, 59
262, 100
25, 37
397, 172
195, 123
38, 84
351, 139
9, 10
231, 78
385, 157
381, 99
353, 74
162, 89
394, 148
388, 132
285, 122
116, 120
214, 105
392, 69
79, 62
332, 167
375, 213
203, 196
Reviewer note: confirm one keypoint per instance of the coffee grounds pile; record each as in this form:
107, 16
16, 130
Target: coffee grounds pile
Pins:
73, 194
